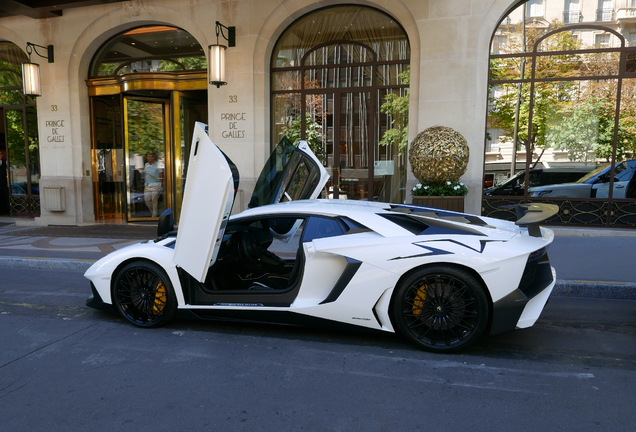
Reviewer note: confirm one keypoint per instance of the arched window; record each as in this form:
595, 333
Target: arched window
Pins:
561, 103
331, 71
19, 144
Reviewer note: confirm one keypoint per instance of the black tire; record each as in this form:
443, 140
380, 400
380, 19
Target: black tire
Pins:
143, 294
442, 309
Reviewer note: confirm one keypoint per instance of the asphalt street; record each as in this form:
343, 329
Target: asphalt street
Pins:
589, 262
67, 367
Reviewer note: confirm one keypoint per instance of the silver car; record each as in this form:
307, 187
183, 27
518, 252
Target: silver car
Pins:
595, 184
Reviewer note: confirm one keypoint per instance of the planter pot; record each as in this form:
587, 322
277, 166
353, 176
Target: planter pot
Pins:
453, 203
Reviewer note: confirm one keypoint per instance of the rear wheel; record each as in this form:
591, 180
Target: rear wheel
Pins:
143, 294
442, 309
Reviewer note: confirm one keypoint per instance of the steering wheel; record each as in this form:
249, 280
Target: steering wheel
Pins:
249, 247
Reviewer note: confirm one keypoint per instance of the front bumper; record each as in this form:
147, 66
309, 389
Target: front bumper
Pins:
95, 301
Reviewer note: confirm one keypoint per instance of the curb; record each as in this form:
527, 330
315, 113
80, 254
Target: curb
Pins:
562, 288
601, 290
46, 263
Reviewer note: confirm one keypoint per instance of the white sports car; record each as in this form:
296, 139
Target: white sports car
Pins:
440, 278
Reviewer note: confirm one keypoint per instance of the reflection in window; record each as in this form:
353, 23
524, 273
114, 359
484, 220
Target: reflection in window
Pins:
535, 8
149, 49
562, 96
18, 138
331, 71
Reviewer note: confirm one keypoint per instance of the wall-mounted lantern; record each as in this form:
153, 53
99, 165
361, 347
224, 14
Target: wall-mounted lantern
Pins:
31, 71
216, 62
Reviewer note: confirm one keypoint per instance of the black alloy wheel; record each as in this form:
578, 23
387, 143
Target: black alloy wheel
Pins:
442, 309
143, 294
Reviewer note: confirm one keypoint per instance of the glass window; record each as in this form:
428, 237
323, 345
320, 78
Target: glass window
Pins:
322, 227
561, 96
149, 49
19, 145
332, 71
535, 8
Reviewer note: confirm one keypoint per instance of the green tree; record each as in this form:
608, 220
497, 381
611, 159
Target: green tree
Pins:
291, 112
398, 108
313, 134
510, 102
145, 127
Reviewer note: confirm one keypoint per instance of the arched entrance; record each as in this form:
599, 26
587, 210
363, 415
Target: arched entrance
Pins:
331, 71
147, 87
19, 144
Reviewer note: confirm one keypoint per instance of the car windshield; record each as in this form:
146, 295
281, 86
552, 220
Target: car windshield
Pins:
592, 175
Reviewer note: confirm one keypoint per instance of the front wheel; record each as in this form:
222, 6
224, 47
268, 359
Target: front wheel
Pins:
143, 294
442, 309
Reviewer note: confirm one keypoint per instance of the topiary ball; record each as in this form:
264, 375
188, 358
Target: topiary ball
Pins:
439, 154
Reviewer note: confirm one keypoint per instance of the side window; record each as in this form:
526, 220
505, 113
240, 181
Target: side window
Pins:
279, 236
535, 178
302, 176
322, 227
258, 255
286, 234
624, 172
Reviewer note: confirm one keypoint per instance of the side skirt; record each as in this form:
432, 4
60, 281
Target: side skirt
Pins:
270, 317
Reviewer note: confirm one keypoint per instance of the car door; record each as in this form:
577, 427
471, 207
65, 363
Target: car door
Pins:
207, 202
623, 175
291, 173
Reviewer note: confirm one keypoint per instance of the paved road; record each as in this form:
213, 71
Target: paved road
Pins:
67, 367
589, 262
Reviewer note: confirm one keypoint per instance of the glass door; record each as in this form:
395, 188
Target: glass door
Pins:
349, 145
147, 158
190, 107
140, 153
108, 158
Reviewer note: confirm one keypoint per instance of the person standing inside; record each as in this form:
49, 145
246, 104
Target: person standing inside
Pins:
153, 183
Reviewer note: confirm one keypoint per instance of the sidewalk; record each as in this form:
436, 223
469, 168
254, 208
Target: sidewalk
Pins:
590, 262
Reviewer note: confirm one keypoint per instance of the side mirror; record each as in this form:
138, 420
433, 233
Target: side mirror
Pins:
166, 223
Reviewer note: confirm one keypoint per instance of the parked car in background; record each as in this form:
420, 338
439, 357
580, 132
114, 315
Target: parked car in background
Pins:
22, 188
595, 184
538, 177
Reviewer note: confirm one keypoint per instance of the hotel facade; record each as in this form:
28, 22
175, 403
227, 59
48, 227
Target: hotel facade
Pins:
123, 82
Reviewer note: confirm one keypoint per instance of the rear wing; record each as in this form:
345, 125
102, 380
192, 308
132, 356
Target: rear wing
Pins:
531, 215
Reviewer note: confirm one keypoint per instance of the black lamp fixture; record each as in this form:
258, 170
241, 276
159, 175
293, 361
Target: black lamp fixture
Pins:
216, 62
31, 71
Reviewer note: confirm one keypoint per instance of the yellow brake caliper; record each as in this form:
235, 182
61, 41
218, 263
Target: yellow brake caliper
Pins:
418, 302
161, 297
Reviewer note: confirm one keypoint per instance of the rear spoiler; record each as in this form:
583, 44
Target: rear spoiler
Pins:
531, 215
